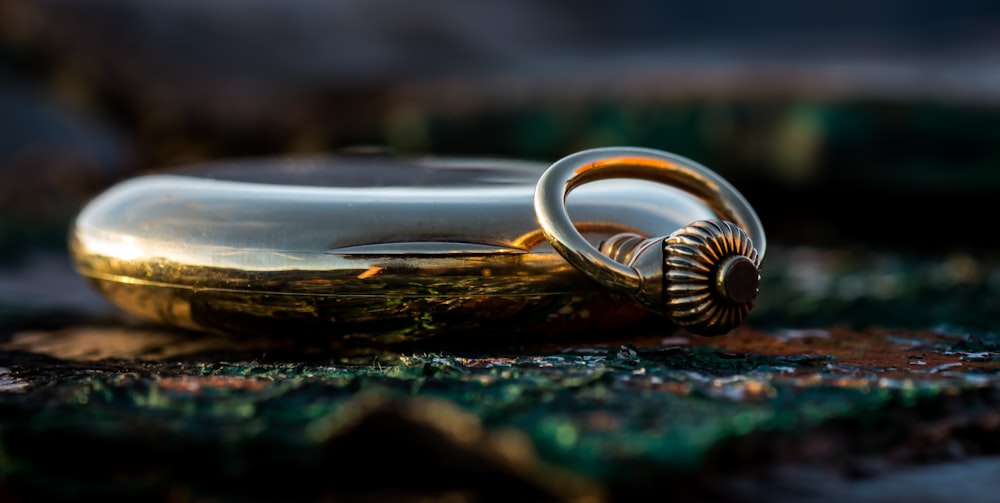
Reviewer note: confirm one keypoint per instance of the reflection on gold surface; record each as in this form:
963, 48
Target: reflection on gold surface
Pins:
388, 263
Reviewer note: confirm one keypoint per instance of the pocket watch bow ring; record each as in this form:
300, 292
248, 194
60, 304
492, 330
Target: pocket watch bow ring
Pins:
391, 249
703, 277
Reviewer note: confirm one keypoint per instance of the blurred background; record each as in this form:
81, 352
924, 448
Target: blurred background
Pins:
848, 123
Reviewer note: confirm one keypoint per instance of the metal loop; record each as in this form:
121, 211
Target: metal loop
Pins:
630, 162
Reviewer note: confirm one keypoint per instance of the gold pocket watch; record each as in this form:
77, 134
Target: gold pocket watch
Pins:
393, 249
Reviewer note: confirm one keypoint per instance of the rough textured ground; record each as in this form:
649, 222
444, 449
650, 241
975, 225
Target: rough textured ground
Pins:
94, 404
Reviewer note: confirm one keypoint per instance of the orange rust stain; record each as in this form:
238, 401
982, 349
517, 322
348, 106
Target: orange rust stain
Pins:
875, 348
196, 384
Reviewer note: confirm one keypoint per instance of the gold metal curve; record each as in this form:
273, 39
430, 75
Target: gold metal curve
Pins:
387, 249
670, 169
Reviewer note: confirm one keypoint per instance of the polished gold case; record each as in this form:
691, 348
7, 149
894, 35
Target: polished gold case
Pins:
373, 247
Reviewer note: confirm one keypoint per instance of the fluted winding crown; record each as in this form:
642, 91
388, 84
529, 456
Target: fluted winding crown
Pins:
711, 276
